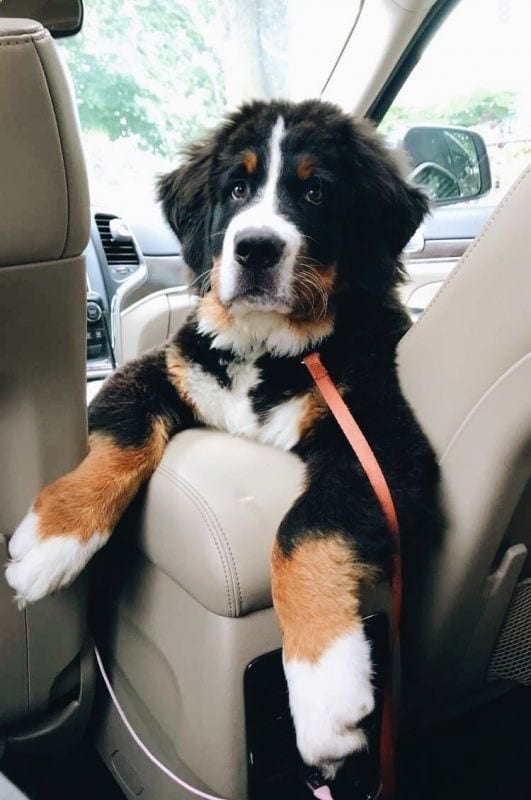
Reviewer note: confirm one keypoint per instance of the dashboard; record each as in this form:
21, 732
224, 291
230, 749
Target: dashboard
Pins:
126, 260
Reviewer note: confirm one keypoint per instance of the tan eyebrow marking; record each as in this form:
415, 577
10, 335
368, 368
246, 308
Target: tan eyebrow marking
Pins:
250, 161
305, 168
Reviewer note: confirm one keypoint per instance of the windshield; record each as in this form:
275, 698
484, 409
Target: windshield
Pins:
152, 75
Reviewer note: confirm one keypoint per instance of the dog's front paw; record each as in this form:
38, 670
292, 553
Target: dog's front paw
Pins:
328, 700
41, 564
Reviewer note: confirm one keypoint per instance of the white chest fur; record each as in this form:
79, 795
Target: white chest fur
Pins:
230, 408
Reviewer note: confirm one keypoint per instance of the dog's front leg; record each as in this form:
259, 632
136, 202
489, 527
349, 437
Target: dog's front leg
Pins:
316, 578
130, 422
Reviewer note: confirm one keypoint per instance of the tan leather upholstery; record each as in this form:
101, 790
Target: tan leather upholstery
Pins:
196, 610
466, 369
477, 327
44, 226
149, 321
226, 515
44, 198
212, 507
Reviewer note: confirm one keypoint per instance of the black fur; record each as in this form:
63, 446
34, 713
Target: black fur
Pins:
134, 398
186, 201
368, 214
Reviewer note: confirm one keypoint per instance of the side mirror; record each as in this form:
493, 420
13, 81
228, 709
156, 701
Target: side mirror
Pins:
451, 163
61, 17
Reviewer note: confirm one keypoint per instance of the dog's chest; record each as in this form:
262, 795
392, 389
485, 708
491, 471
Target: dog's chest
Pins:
228, 405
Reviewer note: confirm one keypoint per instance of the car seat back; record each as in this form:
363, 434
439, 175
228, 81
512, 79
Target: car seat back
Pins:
465, 367
44, 228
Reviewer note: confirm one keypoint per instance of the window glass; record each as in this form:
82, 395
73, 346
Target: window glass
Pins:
151, 75
475, 73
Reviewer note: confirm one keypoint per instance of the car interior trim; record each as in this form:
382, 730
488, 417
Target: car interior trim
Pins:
410, 57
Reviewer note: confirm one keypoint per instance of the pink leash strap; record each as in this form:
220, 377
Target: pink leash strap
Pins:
321, 792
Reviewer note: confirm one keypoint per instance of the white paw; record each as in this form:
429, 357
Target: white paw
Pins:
41, 566
329, 698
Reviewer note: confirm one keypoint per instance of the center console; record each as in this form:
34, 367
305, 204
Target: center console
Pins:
112, 257
100, 357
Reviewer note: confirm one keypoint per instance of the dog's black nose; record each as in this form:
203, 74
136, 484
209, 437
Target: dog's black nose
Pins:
258, 249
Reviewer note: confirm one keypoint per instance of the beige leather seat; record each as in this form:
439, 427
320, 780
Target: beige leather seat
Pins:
196, 606
44, 228
465, 367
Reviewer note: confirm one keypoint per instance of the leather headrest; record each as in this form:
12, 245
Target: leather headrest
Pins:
44, 201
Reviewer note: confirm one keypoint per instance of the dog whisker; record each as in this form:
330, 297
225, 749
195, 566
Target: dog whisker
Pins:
308, 296
309, 279
322, 297
205, 284
308, 237
200, 280
311, 262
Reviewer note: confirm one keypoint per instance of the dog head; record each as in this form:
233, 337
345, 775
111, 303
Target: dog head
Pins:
287, 204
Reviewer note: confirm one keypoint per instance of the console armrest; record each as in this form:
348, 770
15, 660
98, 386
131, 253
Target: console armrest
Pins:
210, 515
194, 610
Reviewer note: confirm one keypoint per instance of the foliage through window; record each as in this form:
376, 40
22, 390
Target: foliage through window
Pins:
151, 75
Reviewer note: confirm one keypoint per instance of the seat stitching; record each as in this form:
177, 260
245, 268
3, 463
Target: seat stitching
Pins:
61, 144
172, 477
526, 173
225, 538
219, 530
23, 40
178, 482
234, 572
479, 402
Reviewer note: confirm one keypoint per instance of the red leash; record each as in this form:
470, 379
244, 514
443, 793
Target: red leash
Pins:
372, 469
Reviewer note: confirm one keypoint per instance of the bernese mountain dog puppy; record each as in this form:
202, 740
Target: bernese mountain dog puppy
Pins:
293, 217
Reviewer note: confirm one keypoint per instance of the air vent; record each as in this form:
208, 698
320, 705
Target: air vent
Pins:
121, 255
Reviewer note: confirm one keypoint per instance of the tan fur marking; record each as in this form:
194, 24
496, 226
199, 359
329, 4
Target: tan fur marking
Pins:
314, 408
304, 325
305, 168
213, 310
214, 275
328, 277
250, 161
178, 370
316, 594
312, 329
314, 285
92, 498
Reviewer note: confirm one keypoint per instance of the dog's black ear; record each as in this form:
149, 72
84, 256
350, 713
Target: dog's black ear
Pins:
186, 201
387, 211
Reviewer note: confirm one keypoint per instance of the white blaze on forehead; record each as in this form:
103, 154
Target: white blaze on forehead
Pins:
269, 196
263, 212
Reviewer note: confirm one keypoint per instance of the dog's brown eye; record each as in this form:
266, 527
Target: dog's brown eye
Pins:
240, 190
314, 192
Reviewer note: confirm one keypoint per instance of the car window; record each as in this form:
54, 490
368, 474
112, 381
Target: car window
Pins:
474, 74
151, 75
